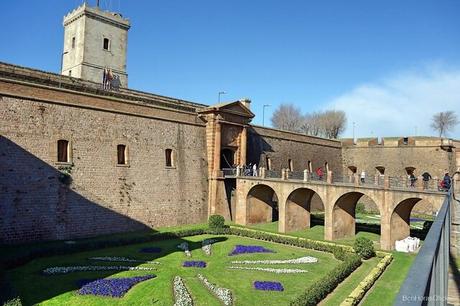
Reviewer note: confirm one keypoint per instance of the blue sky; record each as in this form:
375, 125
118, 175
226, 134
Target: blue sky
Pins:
388, 64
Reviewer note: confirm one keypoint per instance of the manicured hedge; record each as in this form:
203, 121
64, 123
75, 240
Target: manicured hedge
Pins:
320, 289
216, 221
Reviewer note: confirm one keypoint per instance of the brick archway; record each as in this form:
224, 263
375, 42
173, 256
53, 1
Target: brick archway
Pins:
262, 204
298, 208
343, 214
400, 219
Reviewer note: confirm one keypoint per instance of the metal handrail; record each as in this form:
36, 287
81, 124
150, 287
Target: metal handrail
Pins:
426, 282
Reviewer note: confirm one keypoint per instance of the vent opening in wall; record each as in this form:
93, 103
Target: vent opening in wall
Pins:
121, 155
73, 42
106, 44
169, 160
291, 165
63, 151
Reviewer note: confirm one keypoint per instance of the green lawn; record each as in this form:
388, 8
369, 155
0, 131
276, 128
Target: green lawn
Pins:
387, 287
346, 287
33, 287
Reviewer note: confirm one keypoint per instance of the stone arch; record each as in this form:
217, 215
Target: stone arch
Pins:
343, 214
400, 219
298, 208
262, 204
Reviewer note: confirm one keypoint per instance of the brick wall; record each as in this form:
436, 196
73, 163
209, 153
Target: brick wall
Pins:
103, 197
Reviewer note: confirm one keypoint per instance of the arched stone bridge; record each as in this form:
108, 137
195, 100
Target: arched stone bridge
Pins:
255, 199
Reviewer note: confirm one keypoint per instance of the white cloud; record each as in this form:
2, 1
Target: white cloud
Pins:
401, 105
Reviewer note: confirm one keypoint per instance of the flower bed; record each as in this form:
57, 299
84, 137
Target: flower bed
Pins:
181, 295
121, 259
195, 264
150, 250
184, 247
112, 287
223, 294
243, 249
70, 269
268, 286
300, 260
272, 270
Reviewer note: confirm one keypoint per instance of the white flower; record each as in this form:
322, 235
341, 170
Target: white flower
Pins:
223, 294
122, 259
70, 269
181, 295
277, 271
300, 260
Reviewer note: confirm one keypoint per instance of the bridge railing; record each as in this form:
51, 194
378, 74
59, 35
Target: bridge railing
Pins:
426, 283
380, 181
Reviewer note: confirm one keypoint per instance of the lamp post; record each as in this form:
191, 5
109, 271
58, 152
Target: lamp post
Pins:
62, 58
263, 113
219, 94
353, 132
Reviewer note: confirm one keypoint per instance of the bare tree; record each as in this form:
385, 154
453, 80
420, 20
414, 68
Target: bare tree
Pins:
333, 123
312, 124
443, 122
287, 117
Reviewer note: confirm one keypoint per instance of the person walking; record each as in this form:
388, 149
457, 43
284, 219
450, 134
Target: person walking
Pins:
412, 179
363, 177
426, 177
446, 181
254, 169
319, 173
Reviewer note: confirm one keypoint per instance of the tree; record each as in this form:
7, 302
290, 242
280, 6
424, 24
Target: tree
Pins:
333, 123
287, 117
443, 122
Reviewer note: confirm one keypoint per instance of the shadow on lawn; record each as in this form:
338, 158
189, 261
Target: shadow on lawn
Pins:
40, 203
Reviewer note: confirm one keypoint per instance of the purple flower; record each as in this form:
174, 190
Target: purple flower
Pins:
150, 250
241, 249
113, 287
269, 286
192, 263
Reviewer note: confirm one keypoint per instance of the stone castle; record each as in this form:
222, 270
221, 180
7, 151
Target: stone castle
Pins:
80, 159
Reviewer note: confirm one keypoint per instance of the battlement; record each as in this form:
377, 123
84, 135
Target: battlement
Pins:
413, 141
96, 13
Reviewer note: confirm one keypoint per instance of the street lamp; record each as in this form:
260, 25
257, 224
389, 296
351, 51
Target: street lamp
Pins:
62, 58
219, 94
263, 113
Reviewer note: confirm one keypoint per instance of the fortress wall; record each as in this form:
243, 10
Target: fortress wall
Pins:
280, 146
103, 197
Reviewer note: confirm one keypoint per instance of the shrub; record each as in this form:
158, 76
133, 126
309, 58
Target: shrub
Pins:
216, 221
340, 253
319, 290
364, 247
427, 225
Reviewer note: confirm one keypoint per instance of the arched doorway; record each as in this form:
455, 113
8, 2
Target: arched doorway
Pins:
227, 158
355, 213
408, 219
262, 205
299, 206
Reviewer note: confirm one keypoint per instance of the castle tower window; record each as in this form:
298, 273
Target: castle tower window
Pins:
268, 163
291, 165
106, 44
169, 159
73, 42
121, 155
70, 72
63, 151
406, 140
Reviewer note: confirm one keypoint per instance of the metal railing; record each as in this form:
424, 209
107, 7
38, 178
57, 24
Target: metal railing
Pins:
377, 181
426, 283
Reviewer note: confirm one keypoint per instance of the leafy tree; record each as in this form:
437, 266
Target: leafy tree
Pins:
443, 122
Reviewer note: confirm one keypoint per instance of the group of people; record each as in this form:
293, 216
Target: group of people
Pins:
444, 184
250, 170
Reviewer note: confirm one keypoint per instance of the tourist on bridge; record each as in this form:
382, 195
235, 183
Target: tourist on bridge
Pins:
446, 182
426, 177
254, 170
319, 173
412, 179
363, 177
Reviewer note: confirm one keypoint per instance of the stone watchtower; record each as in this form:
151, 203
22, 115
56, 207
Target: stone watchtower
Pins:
95, 40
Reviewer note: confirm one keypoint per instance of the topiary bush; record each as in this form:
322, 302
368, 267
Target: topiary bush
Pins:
364, 247
216, 222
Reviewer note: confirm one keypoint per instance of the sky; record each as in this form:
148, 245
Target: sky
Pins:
390, 65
